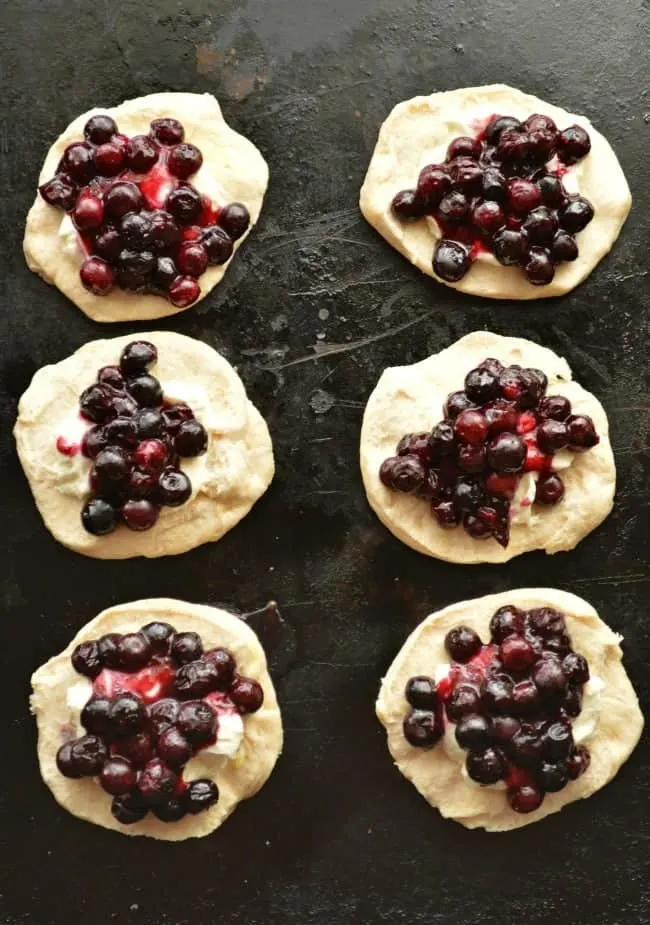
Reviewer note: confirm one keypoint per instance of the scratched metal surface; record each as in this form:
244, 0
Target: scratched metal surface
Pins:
315, 306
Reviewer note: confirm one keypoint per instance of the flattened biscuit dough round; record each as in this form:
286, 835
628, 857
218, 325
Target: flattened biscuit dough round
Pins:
234, 162
417, 128
239, 459
438, 778
236, 779
410, 399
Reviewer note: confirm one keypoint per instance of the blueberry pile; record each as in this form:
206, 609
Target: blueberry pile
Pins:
136, 444
512, 703
144, 724
502, 192
143, 226
501, 426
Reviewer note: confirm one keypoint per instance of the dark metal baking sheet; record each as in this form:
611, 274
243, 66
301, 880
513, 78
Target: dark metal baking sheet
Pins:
312, 310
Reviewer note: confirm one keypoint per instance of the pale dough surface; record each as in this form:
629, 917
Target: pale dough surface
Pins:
438, 778
233, 160
236, 779
419, 127
239, 457
410, 399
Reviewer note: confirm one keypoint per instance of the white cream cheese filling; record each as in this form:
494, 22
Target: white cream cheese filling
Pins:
522, 513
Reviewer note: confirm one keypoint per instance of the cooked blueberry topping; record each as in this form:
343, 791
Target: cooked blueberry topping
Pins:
113, 187
508, 703
136, 444
501, 427
146, 718
501, 192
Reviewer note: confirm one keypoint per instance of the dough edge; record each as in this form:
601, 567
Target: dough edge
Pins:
590, 481
438, 778
246, 178
263, 736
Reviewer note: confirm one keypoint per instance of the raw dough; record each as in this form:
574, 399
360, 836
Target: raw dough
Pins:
236, 779
239, 459
417, 133
438, 778
410, 399
233, 161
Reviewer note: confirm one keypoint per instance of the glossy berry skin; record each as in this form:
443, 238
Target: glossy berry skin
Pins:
224, 665
538, 267
186, 647
576, 215
163, 714
173, 748
88, 754
95, 716
510, 246
463, 701
184, 160
218, 245
108, 647
195, 679
129, 808
97, 276
159, 635
234, 219
506, 453
407, 206
525, 799
191, 439
197, 721
117, 776
481, 385
471, 427
433, 183
405, 474
200, 795
420, 693
174, 487
582, 432
549, 678
517, 653
573, 144
86, 659
134, 651
575, 668
473, 731
60, 192
462, 643
487, 766
552, 436
156, 782
451, 260
65, 763
497, 696
99, 517
442, 441
421, 729
167, 131
247, 694
550, 490
127, 715
172, 810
